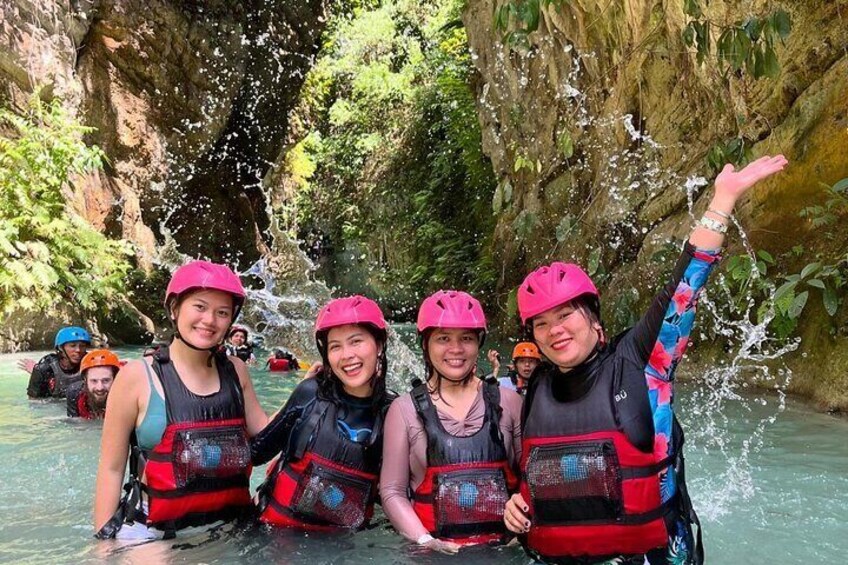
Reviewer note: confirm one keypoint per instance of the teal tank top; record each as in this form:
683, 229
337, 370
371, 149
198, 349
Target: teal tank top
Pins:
149, 433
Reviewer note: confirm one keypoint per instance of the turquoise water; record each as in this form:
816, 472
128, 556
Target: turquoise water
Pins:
783, 502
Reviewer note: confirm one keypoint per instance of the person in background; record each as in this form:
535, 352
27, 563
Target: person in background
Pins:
87, 399
525, 359
282, 360
238, 345
56, 371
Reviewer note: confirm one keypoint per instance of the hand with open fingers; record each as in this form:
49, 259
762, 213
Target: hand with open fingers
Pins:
26, 365
731, 184
314, 370
516, 515
442, 546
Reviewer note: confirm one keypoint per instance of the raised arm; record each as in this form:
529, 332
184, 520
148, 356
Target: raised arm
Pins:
660, 337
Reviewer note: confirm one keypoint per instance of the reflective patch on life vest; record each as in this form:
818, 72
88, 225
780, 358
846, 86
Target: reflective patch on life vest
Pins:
469, 502
210, 453
332, 497
575, 482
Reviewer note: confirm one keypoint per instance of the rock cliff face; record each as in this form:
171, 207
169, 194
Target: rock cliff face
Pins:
190, 100
566, 123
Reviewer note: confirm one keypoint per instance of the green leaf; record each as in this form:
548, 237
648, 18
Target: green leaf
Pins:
512, 303
497, 199
798, 304
594, 262
830, 301
840, 186
765, 256
752, 27
566, 224
770, 65
818, 283
810, 269
689, 34
692, 8
781, 23
784, 290
565, 144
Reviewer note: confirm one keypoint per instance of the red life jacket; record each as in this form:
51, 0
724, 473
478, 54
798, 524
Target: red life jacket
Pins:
591, 491
200, 471
468, 479
327, 482
82, 406
279, 365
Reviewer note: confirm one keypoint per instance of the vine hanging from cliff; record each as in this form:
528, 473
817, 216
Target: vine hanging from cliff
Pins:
745, 44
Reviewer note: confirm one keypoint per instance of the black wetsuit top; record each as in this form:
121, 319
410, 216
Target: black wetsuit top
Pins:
356, 419
44, 382
645, 345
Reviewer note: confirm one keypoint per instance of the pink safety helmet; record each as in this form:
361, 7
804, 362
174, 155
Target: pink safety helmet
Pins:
208, 276
451, 309
351, 310
552, 285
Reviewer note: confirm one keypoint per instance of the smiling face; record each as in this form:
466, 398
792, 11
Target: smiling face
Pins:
566, 335
203, 317
237, 338
98, 381
352, 353
75, 351
453, 352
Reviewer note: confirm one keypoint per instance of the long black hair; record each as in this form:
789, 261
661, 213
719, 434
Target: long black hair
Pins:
330, 385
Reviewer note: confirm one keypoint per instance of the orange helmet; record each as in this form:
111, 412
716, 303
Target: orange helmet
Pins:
99, 358
526, 349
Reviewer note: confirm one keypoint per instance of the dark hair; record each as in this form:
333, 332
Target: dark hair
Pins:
241, 330
330, 385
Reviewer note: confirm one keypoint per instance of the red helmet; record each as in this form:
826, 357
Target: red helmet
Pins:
552, 285
205, 275
351, 310
451, 309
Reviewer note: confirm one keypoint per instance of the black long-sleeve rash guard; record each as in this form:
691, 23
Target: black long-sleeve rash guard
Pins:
282, 431
636, 345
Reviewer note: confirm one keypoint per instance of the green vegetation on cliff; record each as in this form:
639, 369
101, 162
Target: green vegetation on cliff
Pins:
49, 255
390, 169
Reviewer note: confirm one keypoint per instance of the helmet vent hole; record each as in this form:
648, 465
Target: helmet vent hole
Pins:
561, 276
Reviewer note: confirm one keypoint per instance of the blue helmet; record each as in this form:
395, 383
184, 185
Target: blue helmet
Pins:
71, 333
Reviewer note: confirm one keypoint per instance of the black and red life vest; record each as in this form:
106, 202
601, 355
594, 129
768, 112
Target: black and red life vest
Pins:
200, 470
61, 380
592, 492
327, 482
468, 479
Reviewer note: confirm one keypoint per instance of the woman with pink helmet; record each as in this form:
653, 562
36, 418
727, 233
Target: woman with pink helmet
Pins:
183, 416
328, 437
453, 441
602, 474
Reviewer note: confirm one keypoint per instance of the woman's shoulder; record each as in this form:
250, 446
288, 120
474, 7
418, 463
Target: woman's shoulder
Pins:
511, 402
402, 405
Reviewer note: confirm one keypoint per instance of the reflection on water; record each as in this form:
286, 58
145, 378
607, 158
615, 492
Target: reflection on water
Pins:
795, 514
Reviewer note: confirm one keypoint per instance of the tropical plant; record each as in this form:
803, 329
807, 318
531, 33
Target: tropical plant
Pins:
50, 255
